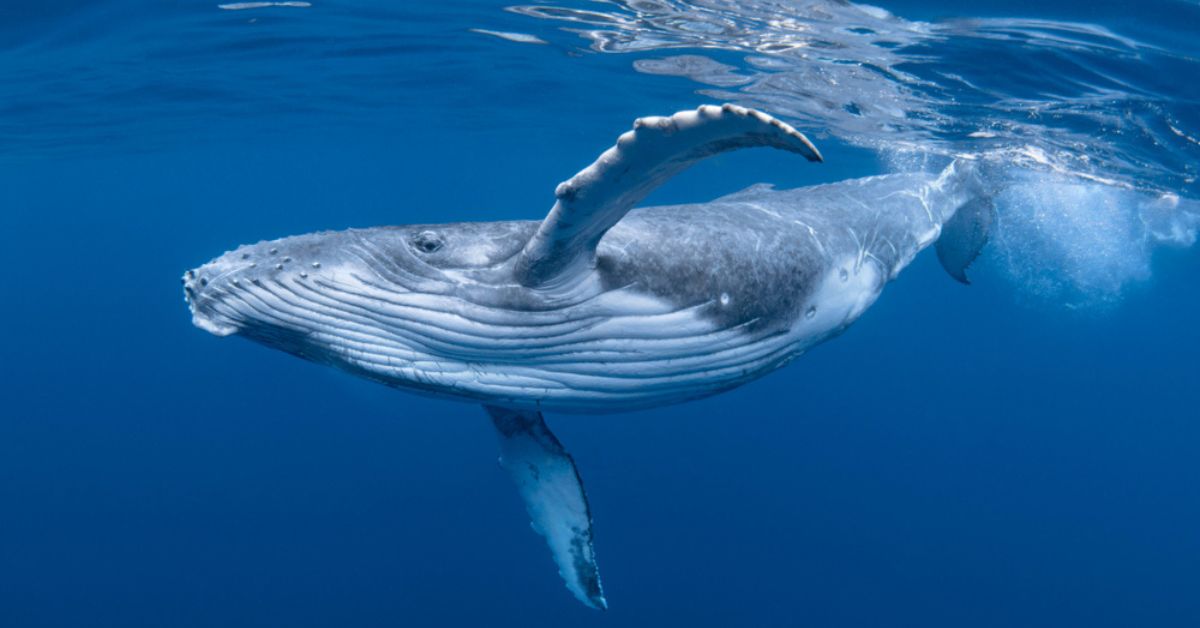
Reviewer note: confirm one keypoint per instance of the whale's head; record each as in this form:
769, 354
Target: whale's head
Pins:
406, 298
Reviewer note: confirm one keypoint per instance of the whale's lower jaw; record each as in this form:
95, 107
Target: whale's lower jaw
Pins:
212, 325
592, 365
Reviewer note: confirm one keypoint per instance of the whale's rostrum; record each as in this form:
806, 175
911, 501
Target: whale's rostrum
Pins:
601, 307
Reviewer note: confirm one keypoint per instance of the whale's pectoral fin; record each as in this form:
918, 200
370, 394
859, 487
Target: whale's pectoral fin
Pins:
964, 236
657, 148
546, 477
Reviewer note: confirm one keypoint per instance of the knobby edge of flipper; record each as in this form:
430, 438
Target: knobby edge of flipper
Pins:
657, 148
552, 490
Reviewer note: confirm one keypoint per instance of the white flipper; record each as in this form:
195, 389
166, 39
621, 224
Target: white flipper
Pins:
546, 477
657, 148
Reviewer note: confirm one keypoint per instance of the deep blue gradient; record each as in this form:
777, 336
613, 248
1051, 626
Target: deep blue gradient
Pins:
978, 456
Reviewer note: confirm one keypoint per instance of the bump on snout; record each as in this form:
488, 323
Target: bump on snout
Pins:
203, 302
216, 293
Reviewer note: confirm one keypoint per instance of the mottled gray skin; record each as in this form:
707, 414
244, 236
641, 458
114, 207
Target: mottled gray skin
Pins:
600, 307
749, 264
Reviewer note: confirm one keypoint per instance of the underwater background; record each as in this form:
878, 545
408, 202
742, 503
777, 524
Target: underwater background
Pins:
1023, 451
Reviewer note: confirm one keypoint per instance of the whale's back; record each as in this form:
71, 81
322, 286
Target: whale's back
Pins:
762, 252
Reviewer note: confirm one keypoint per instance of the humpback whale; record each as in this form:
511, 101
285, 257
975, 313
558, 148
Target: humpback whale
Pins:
602, 306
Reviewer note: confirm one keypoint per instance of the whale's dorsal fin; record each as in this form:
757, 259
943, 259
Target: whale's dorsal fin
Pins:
549, 484
657, 148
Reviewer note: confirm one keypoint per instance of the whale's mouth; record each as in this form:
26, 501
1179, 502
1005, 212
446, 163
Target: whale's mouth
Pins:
205, 304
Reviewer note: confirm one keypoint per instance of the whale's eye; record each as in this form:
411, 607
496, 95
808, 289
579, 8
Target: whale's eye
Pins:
427, 242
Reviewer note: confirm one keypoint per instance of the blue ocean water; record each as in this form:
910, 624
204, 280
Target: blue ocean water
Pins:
1023, 451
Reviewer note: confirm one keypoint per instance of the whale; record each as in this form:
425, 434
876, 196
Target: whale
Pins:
603, 306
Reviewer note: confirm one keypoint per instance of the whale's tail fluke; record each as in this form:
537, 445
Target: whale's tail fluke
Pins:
964, 235
966, 231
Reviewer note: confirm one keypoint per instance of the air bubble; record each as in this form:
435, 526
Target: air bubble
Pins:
724, 298
843, 275
812, 311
